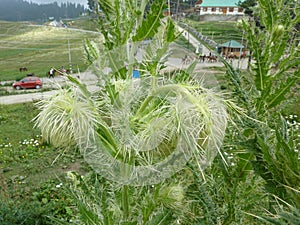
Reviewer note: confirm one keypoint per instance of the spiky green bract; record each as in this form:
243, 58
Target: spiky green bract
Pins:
153, 132
66, 116
172, 196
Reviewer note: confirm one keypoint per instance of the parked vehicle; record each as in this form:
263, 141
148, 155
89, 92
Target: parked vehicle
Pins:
28, 82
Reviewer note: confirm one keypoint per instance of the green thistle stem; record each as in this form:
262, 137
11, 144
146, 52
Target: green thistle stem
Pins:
125, 202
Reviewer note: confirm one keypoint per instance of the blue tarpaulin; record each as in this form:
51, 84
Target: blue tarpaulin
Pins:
136, 74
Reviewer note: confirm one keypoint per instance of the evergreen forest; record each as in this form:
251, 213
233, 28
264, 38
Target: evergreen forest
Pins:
19, 10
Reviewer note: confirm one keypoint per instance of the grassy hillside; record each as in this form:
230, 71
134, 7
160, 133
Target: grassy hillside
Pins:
38, 48
219, 31
86, 23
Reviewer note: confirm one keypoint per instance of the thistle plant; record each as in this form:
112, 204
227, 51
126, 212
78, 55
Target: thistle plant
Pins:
261, 146
136, 132
274, 71
264, 143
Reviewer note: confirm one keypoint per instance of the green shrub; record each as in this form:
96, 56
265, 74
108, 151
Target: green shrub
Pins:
27, 213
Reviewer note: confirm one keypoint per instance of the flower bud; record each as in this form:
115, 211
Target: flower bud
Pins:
172, 196
279, 29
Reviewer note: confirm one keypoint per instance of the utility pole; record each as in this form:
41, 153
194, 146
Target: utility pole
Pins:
70, 60
241, 51
188, 36
177, 10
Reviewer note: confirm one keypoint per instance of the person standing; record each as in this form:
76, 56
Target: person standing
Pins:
51, 72
63, 70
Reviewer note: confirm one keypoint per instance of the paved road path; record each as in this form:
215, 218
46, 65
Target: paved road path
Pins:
193, 41
237, 63
88, 78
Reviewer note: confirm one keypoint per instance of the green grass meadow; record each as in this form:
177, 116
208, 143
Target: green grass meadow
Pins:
16, 122
38, 48
31, 170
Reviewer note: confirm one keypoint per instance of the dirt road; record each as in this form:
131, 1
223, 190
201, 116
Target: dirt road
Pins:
88, 78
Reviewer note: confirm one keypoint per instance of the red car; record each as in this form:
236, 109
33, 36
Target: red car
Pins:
28, 82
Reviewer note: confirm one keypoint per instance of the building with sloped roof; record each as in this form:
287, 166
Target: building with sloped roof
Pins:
218, 7
231, 48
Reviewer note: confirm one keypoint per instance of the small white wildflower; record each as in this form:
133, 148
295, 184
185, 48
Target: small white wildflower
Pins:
59, 185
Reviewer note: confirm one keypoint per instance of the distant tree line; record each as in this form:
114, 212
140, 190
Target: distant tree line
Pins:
176, 6
19, 10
